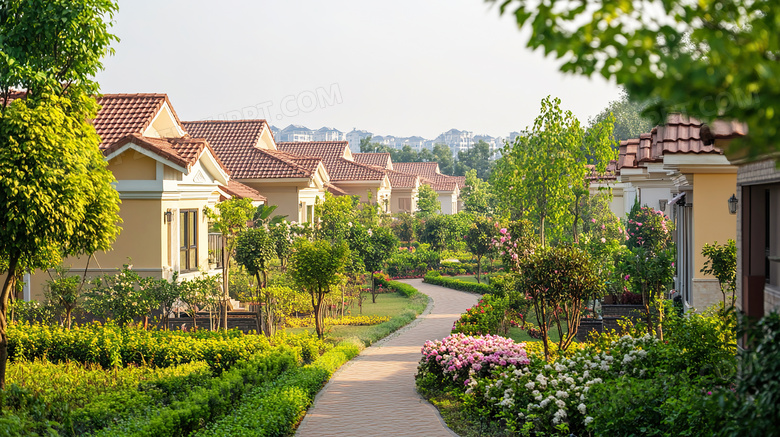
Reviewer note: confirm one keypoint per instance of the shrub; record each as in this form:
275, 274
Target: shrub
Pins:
435, 278
488, 316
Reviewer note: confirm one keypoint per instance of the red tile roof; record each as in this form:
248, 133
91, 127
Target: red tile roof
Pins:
235, 141
124, 114
402, 180
377, 159
332, 155
335, 190
680, 134
424, 169
440, 182
237, 189
608, 175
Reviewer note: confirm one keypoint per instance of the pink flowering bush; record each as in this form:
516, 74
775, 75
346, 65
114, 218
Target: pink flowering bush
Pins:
649, 229
458, 358
488, 316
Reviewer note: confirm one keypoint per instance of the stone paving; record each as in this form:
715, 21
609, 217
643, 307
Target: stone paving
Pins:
374, 394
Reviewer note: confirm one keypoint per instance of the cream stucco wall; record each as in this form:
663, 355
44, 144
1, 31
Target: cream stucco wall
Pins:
711, 222
448, 202
403, 193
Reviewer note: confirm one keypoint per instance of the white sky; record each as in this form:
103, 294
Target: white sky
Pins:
403, 67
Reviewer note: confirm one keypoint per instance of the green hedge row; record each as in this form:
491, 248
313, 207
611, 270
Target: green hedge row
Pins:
209, 402
399, 287
436, 278
276, 407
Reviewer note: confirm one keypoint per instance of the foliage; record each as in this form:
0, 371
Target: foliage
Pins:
121, 297
476, 159
558, 280
254, 251
54, 185
64, 292
165, 294
442, 231
629, 120
604, 237
753, 408
317, 267
721, 262
345, 320
413, 262
427, 201
263, 216
488, 316
201, 293
479, 238
32, 311
543, 174
335, 214
405, 227
435, 278
478, 196
722, 51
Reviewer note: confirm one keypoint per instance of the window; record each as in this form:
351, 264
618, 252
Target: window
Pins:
188, 238
405, 204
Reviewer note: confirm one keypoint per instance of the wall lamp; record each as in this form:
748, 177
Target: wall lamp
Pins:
733, 201
168, 216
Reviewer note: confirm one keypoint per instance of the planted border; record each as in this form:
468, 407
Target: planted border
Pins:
435, 278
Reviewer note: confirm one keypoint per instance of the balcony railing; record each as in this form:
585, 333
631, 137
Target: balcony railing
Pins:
215, 249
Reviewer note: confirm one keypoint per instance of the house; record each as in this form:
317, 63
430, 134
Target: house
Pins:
295, 132
447, 187
676, 170
757, 205
291, 182
403, 196
165, 179
327, 134
347, 176
354, 137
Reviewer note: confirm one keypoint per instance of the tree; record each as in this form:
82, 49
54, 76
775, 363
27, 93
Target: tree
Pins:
64, 292
335, 214
476, 158
230, 219
629, 121
54, 186
255, 250
427, 201
707, 59
542, 174
442, 154
721, 262
263, 216
477, 195
374, 247
480, 238
366, 146
317, 267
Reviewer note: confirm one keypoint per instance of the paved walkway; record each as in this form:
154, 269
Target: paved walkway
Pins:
374, 394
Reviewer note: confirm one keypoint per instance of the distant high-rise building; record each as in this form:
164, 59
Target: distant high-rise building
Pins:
354, 137
295, 132
328, 134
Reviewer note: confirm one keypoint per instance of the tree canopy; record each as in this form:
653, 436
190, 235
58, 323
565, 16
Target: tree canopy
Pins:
476, 158
427, 201
629, 121
707, 59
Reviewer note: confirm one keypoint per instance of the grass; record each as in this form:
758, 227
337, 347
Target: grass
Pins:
400, 309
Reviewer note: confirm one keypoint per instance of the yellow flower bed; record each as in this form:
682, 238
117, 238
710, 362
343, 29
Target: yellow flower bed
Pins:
295, 322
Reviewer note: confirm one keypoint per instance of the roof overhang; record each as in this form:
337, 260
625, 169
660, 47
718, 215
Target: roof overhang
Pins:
142, 150
698, 163
211, 164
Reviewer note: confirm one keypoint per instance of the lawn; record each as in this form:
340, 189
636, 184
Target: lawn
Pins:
400, 309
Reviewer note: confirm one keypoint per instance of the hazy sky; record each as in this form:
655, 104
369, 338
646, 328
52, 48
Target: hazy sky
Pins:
403, 67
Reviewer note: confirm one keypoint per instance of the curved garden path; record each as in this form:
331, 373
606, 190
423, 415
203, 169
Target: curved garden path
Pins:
374, 394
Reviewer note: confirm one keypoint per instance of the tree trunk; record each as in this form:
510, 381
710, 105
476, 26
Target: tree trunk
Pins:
10, 282
541, 230
373, 288
318, 314
479, 269
225, 284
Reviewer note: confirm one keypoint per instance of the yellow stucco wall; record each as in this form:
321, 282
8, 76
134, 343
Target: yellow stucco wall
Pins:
132, 165
711, 222
284, 197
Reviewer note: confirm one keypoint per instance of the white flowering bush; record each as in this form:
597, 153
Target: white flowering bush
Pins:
550, 397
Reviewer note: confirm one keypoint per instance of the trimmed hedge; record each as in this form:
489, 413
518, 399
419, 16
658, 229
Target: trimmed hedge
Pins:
399, 287
209, 402
435, 278
276, 407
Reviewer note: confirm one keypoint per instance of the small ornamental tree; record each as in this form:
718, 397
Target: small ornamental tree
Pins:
427, 201
405, 227
230, 219
721, 262
317, 267
558, 280
254, 251
64, 292
282, 236
650, 262
374, 247
165, 293
480, 238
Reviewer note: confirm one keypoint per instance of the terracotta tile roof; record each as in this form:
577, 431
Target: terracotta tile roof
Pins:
460, 180
124, 114
234, 142
424, 169
377, 159
680, 134
237, 189
336, 191
225, 136
402, 180
440, 182
332, 155
328, 151
609, 175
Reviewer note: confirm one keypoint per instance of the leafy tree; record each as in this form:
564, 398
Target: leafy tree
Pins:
317, 267
335, 213
165, 293
264, 216
121, 297
230, 219
708, 59
282, 236
427, 201
374, 247
476, 158
629, 120
254, 251
442, 231
366, 146
721, 262
477, 195
54, 186
480, 238
64, 292
405, 227
542, 175
199, 293
442, 154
